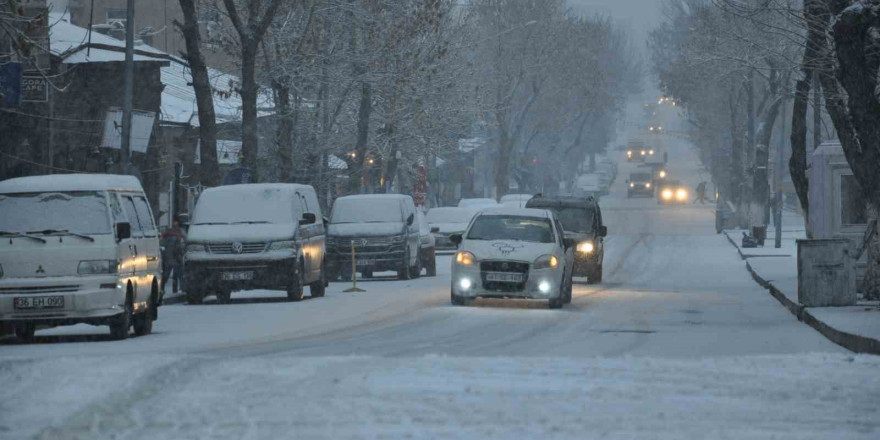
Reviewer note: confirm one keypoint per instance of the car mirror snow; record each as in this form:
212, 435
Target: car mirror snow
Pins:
603, 231
308, 218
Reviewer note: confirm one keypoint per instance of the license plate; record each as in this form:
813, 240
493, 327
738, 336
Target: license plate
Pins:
237, 276
39, 302
365, 262
504, 277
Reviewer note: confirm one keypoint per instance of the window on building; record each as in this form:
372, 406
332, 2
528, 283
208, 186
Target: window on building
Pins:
852, 204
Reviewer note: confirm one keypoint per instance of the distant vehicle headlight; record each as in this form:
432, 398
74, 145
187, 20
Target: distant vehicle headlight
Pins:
92, 267
195, 247
681, 194
648, 185
667, 194
662, 174
632, 185
282, 245
586, 247
465, 258
643, 152
546, 262
629, 153
651, 152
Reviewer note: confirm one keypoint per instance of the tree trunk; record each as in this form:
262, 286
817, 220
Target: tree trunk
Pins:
285, 129
357, 175
871, 284
248, 92
761, 184
736, 150
797, 164
502, 164
209, 172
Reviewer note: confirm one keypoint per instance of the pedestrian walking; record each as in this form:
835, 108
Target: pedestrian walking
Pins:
701, 194
173, 242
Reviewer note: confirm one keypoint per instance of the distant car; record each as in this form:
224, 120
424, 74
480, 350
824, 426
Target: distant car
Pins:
672, 192
448, 221
477, 203
655, 129
427, 246
639, 184
515, 200
581, 221
513, 253
659, 175
382, 231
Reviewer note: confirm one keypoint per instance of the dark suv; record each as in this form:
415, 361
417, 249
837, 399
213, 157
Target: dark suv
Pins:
640, 184
581, 221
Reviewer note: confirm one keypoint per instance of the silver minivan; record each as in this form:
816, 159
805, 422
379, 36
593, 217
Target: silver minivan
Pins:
255, 236
75, 249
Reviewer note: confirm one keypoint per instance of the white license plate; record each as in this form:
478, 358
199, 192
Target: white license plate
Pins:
237, 276
39, 302
504, 277
365, 262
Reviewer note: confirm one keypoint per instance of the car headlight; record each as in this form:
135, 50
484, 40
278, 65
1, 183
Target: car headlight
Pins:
681, 194
465, 258
282, 245
629, 153
651, 152
632, 185
586, 247
667, 194
546, 262
662, 174
92, 267
643, 152
647, 185
194, 247
398, 239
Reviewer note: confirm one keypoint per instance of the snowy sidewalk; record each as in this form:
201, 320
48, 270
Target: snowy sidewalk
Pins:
856, 328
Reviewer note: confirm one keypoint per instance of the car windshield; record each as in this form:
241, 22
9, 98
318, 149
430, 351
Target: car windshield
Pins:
244, 206
464, 203
579, 220
449, 215
366, 210
511, 227
80, 212
640, 177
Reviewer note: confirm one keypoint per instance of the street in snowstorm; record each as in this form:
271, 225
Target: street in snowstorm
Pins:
439, 219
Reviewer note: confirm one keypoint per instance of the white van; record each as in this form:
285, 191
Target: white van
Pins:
255, 236
78, 248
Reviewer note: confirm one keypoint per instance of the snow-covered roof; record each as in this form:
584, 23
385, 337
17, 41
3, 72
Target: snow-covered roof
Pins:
70, 182
256, 188
375, 196
522, 212
335, 163
71, 44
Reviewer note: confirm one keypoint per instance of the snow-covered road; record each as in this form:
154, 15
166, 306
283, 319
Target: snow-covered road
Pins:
678, 342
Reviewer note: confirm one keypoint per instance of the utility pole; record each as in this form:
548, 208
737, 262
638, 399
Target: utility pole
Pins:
817, 111
128, 87
779, 169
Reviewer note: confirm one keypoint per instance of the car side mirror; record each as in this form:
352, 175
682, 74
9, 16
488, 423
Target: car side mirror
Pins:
569, 243
410, 219
603, 231
455, 239
308, 218
435, 230
123, 231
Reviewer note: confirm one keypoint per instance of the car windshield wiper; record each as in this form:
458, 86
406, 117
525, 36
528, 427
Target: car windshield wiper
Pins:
19, 234
250, 222
62, 231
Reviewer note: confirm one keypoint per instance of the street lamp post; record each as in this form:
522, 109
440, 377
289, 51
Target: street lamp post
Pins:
127, 87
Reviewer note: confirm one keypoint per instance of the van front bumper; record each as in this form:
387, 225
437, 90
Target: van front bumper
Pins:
276, 273
85, 299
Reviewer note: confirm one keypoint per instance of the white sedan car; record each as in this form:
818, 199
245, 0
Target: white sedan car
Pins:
513, 253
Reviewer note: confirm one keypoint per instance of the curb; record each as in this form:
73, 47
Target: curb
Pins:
849, 341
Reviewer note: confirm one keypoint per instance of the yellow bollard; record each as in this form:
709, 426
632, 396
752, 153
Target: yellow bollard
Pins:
354, 283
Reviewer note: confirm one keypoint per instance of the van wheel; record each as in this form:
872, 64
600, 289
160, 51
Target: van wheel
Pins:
456, 300
367, 273
594, 276
194, 296
120, 324
416, 271
404, 272
25, 332
555, 303
295, 288
318, 288
223, 295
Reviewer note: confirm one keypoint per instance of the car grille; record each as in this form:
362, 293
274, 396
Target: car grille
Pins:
33, 290
246, 248
504, 266
508, 267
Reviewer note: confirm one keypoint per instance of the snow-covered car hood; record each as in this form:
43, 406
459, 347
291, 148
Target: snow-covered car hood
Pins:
364, 229
450, 228
506, 249
240, 232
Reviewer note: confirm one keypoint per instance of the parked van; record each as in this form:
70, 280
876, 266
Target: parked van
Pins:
383, 230
255, 236
75, 249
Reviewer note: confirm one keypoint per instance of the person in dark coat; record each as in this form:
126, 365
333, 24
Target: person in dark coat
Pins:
173, 243
701, 193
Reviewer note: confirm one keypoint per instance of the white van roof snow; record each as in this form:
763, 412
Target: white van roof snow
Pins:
250, 188
70, 182
375, 196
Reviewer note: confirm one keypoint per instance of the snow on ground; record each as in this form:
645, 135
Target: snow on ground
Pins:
818, 396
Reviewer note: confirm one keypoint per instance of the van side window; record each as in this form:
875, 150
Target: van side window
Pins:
144, 217
131, 212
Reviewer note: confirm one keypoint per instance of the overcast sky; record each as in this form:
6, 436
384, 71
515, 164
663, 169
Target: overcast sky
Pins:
639, 16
